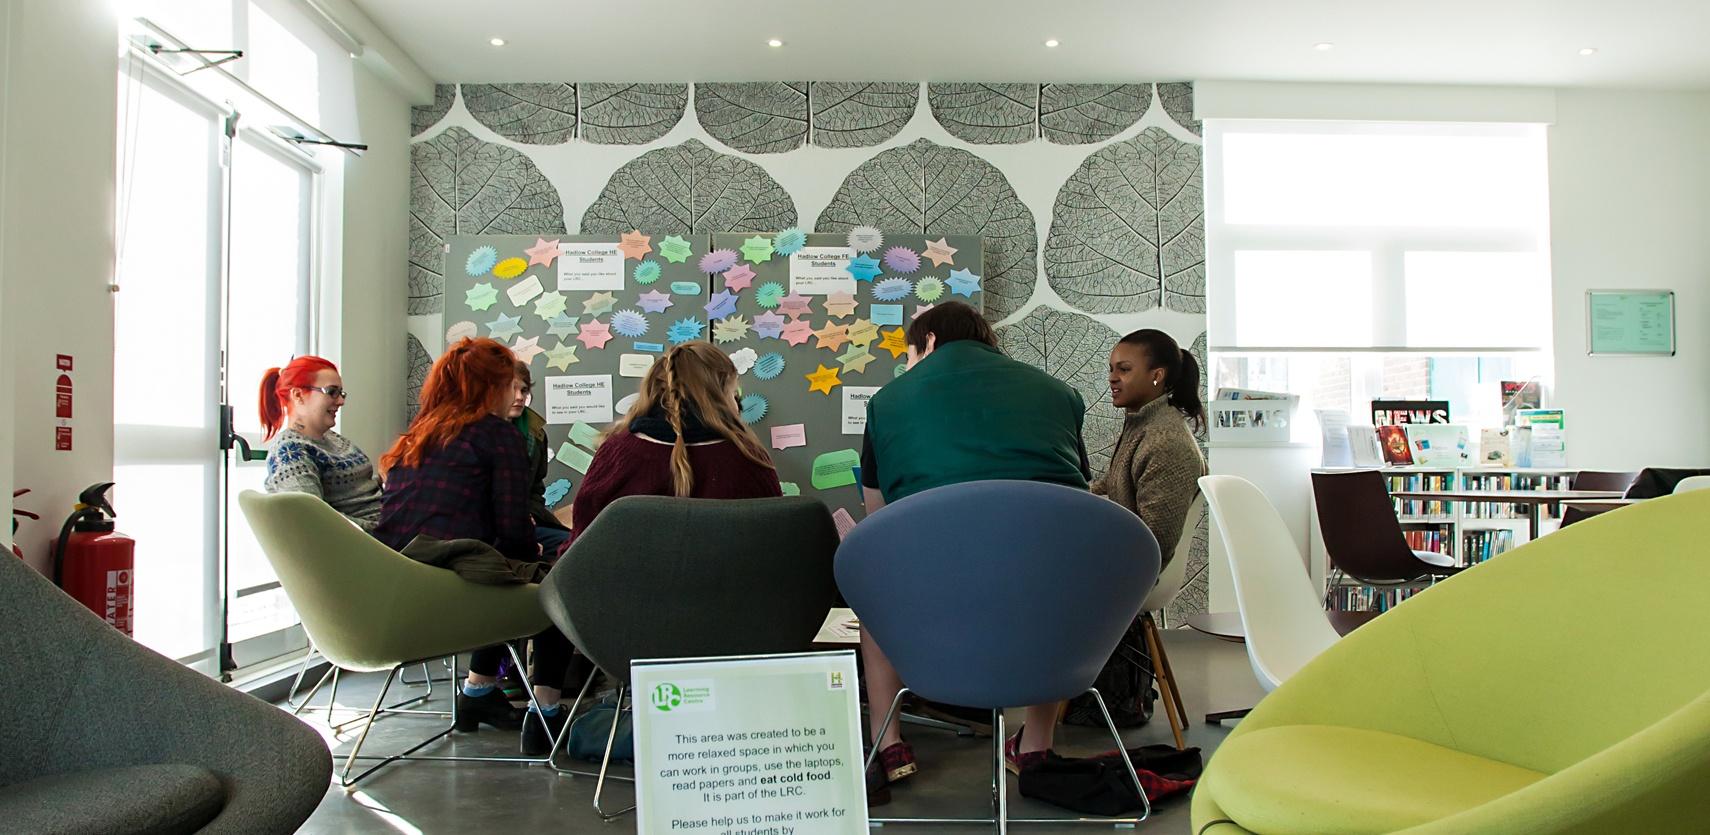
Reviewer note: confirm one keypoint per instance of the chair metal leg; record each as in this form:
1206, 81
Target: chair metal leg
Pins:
605, 763
890, 716
1122, 750
1000, 789
564, 735
1161, 672
290, 695
297, 709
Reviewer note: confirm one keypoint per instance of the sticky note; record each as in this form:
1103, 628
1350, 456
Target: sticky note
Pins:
634, 365
835, 469
575, 457
885, 314
685, 288
585, 435
789, 437
790, 488
650, 347
524, 291
844, 522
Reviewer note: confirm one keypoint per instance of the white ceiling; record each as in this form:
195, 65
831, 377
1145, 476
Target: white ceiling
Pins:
1640, 43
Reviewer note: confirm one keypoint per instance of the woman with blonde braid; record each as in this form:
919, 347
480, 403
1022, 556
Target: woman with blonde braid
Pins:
683, 437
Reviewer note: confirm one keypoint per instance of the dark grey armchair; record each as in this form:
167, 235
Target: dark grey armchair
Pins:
103, 735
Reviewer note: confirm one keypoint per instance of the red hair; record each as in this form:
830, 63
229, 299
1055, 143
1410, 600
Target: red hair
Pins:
465, 384
278, 383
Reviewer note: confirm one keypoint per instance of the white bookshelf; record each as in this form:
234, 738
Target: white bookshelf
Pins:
1493, 528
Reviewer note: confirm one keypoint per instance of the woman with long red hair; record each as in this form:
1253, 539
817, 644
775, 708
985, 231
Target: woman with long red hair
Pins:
299, 405
461, 471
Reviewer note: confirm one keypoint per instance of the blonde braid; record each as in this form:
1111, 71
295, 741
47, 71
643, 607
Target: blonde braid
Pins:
682, 476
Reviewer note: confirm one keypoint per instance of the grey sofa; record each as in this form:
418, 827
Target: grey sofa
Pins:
100, 734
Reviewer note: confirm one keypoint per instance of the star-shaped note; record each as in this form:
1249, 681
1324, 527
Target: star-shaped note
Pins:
595, 334
894, 342
481, 296
561, 326
757, 249
526, 349
964, 283
635, 245
940, 252
722, 304
544, 252
504, 327
856, 359
797, 332
731, 329
684, 330
675, 249
863, 267
561, 357
862, 332
768, 325
839, 304
654, 301
831, 336
601, 302
738, 277
795, 305
921, 308
549, 305
823, 380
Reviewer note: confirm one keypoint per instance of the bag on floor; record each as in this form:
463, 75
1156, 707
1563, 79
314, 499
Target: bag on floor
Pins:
1125, 683
1099, 786
588, 735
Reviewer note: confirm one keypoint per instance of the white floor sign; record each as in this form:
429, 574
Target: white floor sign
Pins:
758, 745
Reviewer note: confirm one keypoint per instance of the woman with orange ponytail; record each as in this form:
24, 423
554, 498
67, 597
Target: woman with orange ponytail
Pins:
461, 471
299, 404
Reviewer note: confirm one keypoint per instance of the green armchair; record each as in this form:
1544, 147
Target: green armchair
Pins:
1506, 699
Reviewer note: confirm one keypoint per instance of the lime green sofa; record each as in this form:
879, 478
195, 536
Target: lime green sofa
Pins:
1563, 687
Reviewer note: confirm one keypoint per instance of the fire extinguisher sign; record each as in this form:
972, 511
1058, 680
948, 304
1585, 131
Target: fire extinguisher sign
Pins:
62, 407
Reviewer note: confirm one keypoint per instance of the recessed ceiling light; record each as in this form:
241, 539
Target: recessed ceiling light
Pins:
1052, 43
1324, 46
497, 41
774, 43
1590, 50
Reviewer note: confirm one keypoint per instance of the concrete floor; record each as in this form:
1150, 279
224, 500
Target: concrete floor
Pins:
433, 797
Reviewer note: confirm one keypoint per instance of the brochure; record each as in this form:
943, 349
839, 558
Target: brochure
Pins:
1396, 451
1438, 444
1364, 448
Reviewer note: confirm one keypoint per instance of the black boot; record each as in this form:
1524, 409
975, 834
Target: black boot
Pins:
538, 731
492, 708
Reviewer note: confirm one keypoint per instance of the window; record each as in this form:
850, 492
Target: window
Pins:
1353, 261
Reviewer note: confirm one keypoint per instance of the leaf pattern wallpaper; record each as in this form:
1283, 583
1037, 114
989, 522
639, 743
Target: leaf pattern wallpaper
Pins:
1110, 240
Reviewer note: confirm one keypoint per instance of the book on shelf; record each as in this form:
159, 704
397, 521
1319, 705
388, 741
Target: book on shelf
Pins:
1438, 444
1368, 599
1393, 440
1414, 509
1396, 412
1479, 546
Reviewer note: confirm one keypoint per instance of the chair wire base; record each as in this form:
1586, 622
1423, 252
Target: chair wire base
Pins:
1000, 794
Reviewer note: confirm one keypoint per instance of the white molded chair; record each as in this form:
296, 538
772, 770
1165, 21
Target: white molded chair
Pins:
1169, 587
1280, 611
1692, 482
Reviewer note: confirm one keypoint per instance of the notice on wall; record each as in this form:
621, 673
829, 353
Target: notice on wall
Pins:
855, 408
751, 744
1639, 322
590, 267
821, 270
585, 398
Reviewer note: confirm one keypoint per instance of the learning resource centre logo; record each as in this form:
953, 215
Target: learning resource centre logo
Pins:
687, 697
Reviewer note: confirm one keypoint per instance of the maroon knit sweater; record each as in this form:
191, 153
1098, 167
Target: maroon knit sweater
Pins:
628, 465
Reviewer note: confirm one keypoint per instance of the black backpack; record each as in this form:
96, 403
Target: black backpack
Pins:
1125, 683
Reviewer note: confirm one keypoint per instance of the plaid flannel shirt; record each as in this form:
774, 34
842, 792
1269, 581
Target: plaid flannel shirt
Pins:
477, 487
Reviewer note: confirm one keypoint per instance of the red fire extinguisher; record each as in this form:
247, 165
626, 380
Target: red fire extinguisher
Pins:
93, 563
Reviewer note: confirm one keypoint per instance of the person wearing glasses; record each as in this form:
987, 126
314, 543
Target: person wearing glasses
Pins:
299, 405
548, 531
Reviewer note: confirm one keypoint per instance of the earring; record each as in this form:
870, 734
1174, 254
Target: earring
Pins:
1155, 382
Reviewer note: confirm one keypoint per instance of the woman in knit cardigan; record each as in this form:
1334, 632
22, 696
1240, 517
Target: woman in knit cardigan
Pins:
1155, 473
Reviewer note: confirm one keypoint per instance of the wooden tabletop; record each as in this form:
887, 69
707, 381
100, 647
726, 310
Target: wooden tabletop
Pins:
1603, 504
1506, 496
1227, 625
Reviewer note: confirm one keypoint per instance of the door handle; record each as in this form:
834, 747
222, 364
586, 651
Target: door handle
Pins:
229, 438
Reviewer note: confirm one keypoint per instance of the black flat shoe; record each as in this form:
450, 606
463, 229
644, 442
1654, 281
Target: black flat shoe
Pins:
538, 731
493, 709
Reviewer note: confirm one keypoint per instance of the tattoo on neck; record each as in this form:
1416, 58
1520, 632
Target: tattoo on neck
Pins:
298, 425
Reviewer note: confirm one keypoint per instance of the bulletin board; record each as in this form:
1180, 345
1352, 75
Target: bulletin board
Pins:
586, 312
826, 325
1632, 323
814, 323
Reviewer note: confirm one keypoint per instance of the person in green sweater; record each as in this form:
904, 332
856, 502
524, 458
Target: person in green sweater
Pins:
299, 405
548, 530
962, 412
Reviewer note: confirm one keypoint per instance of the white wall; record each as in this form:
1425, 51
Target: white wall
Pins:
60, 128
370, 351
1630, 208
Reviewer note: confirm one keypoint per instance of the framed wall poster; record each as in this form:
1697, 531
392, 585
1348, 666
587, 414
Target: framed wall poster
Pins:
1629, 323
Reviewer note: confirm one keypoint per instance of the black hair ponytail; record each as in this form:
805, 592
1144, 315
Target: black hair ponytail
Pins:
1181, 371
